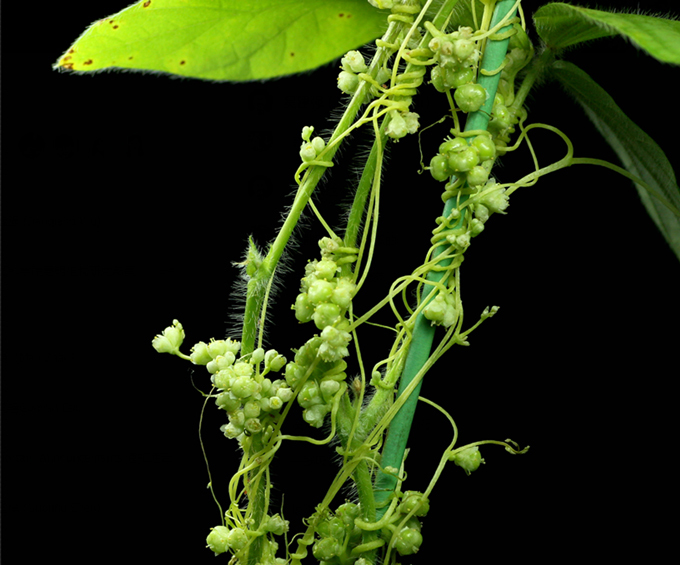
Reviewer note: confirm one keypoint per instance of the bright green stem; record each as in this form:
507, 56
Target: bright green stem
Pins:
423, 332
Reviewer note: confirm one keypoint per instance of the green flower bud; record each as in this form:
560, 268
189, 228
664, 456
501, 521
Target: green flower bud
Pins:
463, 161
243, 369
199, 354
304, 310
257, 356
411, 121
251, 409
231, 431
348, 82
307, 353
273, 361
253, 425
502, 118
326, 314
335, 343
435, 309
470, 97
225, 361
476, 227
276, 525
327, 548
326, 269
469, 459
437, 80
307, 152
343, 292
477, 176
320, 291
413, 499
294, 373
408, 541
441, 45
265, 404
244, 387
439, 168
481, 212
463, 48
170, 340
217, 348
318, 144
347, 512
328, 389
397, 127
223, 379
237, 417
353, 61
310, 394
485, 146
238, 539
217, 539
496, 201
454, 145
315, 415
284, 393
228, 402
233, 346
275, 403
457, 77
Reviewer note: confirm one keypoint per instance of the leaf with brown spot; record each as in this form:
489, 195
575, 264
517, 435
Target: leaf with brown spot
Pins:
210, 40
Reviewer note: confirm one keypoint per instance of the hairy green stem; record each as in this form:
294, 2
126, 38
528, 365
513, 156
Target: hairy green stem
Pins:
423, 332
256, 288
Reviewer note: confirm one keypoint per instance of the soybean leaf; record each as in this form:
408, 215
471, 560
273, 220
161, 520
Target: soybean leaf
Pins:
639, 153
562, 25
234, 40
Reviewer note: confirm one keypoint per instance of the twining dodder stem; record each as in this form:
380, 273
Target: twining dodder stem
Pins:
423, 332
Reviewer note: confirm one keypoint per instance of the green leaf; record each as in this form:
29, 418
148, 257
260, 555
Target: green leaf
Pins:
562, 25
234, 40
639, 153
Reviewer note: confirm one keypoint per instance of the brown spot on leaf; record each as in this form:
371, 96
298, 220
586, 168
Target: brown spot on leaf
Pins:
66, 58
182, 62
341, 15
146, 4
115, 27
292, 54
68, 66
88, 62
71, 51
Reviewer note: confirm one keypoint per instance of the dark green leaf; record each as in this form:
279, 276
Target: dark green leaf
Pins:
639, 153
562, 25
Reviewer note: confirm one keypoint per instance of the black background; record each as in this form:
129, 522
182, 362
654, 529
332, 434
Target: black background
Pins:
128, 196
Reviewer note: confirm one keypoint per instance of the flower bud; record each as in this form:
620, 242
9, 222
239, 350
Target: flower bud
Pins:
238, 539
217, 539
353, 61
348, 82
470, 97
257, 356
320, 291
199, 354
408, 541
469, 459
326, 269
170, 340
276, 525
326, 314
315, 415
